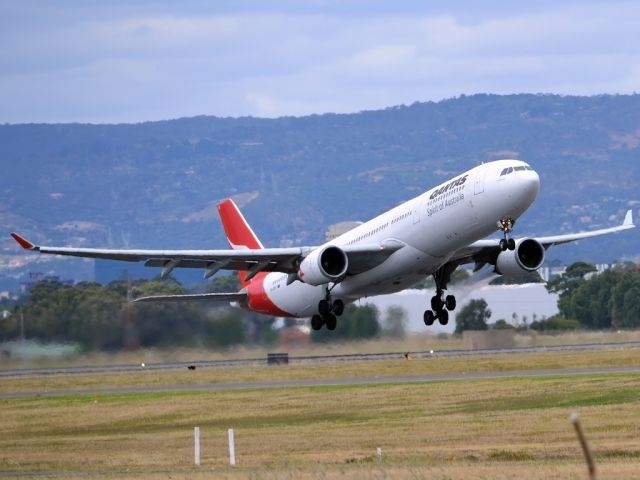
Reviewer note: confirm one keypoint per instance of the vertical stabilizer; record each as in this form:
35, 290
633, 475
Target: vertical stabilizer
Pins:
239, 234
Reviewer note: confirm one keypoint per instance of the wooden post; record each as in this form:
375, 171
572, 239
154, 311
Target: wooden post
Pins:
588, 456
196, 445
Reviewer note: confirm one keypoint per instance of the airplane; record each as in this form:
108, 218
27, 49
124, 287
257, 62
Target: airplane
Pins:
431, 234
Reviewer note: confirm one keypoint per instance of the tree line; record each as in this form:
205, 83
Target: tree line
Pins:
610, 299
98, 317
586, 299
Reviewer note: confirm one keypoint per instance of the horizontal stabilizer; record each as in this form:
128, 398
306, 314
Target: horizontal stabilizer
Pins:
215, 297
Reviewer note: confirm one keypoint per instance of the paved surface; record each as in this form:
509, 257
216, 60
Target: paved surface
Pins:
266, 384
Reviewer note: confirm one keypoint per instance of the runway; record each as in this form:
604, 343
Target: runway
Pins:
375, 380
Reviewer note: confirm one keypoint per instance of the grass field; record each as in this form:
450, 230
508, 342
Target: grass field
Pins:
412, 343
476, 429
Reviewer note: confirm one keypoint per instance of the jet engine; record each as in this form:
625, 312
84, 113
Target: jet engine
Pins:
527, 257
324, 265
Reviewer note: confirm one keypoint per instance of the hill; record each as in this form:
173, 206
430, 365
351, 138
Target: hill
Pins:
155, 184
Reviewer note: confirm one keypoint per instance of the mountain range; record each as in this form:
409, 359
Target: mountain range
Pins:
155, 184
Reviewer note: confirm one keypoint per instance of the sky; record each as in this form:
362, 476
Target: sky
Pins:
122, 61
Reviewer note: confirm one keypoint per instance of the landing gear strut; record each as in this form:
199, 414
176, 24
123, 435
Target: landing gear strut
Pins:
328, 312
441, 305
506, 225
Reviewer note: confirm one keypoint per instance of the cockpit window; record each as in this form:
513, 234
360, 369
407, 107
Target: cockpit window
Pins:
519, 168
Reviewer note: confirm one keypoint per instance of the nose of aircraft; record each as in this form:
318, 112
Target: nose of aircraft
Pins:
529, 185
517, 189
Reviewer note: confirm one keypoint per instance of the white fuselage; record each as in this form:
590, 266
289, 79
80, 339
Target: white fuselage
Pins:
432, 227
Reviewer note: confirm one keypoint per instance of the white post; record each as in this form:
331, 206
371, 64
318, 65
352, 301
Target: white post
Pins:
232, 448
379, 454
196, 445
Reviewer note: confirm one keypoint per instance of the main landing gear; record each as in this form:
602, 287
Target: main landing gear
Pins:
506, 225
441, 305
328, 312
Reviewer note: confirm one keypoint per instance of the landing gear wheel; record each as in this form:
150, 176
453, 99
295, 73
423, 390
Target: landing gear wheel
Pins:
429, 318
436, 303
441, 305
450, 302
506, 226
324, 307
338, 307
331, 321
316, 322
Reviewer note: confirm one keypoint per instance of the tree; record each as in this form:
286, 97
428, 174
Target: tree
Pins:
473, 316
356, 323
631, 307
224, 328
557, 322
608, 300
395, 321
94, 320
567, 283
101, 318
224, 284
502, 324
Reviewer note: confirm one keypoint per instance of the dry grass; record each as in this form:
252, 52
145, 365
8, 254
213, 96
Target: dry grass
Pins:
414, 366
413, 343
481, 429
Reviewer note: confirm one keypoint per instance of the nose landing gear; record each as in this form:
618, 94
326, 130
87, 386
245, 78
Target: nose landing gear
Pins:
506, 225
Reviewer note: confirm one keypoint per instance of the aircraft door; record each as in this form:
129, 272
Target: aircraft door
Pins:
478, 182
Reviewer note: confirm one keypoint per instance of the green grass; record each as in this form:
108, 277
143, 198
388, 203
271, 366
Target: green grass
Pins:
478, 429
416, 366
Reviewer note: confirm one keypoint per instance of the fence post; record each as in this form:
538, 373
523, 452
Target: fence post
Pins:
196, 445
232, 448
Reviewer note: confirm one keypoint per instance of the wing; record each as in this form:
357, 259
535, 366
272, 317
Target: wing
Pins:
268, 259
558, 239
286, 260
486, 251
366, 257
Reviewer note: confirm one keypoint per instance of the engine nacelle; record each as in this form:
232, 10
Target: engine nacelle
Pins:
527, 257
324, 265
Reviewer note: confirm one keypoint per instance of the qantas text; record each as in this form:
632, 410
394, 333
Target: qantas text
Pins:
455, 183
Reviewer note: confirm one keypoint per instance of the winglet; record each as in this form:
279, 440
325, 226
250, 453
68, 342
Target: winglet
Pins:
628, 219
23, 242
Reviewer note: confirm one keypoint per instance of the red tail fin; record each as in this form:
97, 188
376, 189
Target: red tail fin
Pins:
239, 233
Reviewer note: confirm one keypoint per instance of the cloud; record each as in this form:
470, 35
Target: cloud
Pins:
153, 60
